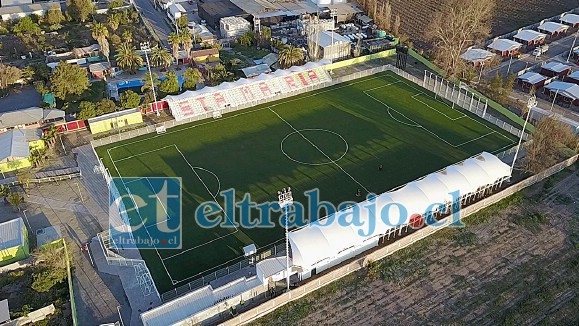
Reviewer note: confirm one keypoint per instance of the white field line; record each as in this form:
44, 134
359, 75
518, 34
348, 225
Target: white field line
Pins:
319, 150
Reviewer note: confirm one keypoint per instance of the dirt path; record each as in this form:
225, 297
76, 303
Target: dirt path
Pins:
516, 267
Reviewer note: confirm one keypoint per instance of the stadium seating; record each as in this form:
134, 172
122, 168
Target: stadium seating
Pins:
246, 91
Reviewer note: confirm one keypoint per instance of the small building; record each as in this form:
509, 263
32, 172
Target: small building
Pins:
573, 78
553, 69
561, 92
531, 80
477, 57
213, 10
13, 242
205, 56
254, 71
270, 59
90, 51
530, 37
99, 69
175, 11
115, 120
505, 47
553, 29
15, 147
201, 34
571, 20
15, 12
332, 45
232, 27
33, 117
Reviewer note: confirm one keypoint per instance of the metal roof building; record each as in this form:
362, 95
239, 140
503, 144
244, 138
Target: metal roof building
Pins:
553, 28
13, 241
530, 37
504, 46
33, 115
571, 20
14, 143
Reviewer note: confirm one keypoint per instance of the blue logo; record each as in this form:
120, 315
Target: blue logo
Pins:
145, 213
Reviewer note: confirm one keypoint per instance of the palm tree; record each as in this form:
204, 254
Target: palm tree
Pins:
247, 38
147, 82
50, 135
218, 74
127, 57
290, 56
265, 35
192, 77
114, 20
100, 33
187, 41
160, 56
175, 40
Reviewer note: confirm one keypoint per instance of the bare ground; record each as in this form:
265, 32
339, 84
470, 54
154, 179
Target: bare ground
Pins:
513, 264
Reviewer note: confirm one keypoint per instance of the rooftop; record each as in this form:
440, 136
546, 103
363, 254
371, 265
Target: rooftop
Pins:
553, 27
555, 67
31, 115
11, 234
502, 45
473, 55
529, 35
26, 8
326, 38
14, 143
568, 90
571, 19
532, 77
255, 71
113, 115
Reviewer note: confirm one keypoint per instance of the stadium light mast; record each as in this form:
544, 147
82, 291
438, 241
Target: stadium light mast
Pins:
285, 199
572, 46
531, 103
333, 15
145, 47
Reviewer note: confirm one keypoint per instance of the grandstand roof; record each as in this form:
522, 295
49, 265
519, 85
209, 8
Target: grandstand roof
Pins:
529, 35
242, 81
571, 19
315, 243
552, 27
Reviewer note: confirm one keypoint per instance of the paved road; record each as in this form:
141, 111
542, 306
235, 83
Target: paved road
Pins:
557, 50
156, 17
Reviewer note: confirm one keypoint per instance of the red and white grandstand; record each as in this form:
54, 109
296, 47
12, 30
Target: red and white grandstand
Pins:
244, 91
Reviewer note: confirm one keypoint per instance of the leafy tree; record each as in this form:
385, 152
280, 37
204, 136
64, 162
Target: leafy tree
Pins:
41, 71
170, 85
100, 33
37, 156
8, 76
46, 280
114, 20
182, 22
187, 42
127, 36
26, 26
499, 89
265, 36
115, 4
175, 40
192, 78
80, 10
218, 74
15, 199
549, 137
106, 106
147, 82
54, 17
160, 57
290, 56
68, 79
87, 110
247, 38
460, 24
4, 192
129, 100
127, 57
50, 134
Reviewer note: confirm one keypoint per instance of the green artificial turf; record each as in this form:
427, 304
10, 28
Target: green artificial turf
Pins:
377, 120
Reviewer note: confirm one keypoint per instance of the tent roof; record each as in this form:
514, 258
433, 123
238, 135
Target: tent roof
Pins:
11, 234
532, 77
318, 241
473, 55
568, 90
552, 27
529, 35
502, 45
570, 19
555, 67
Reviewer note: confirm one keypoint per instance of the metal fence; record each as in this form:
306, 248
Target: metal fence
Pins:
208, 277
443, 89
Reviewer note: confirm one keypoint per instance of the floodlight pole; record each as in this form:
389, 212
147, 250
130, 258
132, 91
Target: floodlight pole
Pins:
146, 48
554, 99
572, 46
285, 199
333, 15
531, 103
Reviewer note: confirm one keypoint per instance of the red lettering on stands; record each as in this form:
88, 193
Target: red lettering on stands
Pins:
303, 79
313, 76
186, 108
202, 101
290, 81
264, 89
220, 100
247, 93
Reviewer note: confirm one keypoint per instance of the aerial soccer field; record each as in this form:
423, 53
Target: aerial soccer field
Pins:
334, 139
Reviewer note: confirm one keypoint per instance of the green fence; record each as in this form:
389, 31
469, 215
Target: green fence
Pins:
70, 289
494, 105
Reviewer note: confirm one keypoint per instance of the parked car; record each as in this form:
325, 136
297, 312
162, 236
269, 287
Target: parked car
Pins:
540, 50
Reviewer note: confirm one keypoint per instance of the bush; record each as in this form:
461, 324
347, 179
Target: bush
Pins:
129, 100
106, 106
87, 110
47, 279
115, 4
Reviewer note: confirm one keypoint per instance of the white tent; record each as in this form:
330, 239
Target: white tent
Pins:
326, 243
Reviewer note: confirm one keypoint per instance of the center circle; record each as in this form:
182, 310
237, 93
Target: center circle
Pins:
327, 147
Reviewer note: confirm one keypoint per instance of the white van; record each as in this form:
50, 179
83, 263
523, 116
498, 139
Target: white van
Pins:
540, 50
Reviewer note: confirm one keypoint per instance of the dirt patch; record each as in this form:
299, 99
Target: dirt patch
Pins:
516, 266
